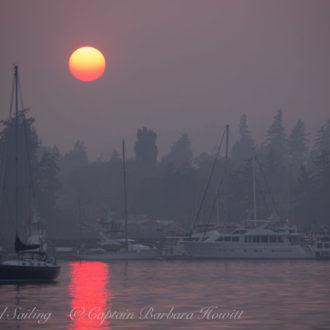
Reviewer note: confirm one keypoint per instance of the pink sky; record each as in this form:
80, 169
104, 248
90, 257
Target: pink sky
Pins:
173, 66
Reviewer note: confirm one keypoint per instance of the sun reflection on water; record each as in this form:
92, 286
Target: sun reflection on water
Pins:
91, 296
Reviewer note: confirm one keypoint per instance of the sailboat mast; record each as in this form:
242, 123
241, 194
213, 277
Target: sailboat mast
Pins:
16, 147
254, 186
225, 202
125, 196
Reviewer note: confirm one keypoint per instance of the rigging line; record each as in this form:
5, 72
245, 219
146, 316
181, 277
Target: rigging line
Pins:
209, 180
20, 93
213, 206
260, 192
12, 99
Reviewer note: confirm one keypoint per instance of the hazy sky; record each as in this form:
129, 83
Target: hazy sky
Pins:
173, 65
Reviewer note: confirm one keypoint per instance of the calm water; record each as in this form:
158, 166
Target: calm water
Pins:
254, 294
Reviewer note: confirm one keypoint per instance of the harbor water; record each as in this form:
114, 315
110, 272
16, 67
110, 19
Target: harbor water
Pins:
174, 295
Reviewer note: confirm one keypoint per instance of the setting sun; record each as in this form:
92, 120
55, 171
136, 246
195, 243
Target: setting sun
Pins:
87, 64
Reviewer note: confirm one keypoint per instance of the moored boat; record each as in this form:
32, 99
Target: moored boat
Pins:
31, 262
135, 251
266, 240
29, 266
319, 242
120, 248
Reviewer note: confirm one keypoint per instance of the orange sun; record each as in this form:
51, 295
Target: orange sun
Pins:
87, 63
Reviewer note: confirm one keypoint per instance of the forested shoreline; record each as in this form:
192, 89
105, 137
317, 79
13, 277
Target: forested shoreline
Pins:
69, 191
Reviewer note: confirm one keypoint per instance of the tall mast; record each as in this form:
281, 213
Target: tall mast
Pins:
225, 204
125, 196
16, 147
254, 186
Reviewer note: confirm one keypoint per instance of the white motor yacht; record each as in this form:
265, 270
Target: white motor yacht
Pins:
266, 240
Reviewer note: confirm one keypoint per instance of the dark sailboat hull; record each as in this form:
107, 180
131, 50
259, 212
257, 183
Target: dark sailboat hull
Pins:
15, 273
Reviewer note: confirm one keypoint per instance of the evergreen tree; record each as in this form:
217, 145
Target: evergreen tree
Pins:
322, 142
48, 184
27, 173
275, 160
145, 148
297, 147
304, 198
178, 192
322, 163
242, 150
75, 158
276, 137
180, 153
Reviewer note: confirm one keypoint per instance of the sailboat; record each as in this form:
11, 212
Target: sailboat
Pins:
127, 249
31, 263
257, 239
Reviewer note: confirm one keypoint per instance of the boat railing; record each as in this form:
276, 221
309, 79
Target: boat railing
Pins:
36, 255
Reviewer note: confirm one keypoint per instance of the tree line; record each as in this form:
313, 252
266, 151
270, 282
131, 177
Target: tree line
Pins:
69, 192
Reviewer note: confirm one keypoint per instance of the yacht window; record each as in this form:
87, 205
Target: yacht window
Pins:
235, 238
240, 231
220, 238
319, 245
264, 239
326, 245
272, 239
228, 238
255, 239
280, 239
247, 239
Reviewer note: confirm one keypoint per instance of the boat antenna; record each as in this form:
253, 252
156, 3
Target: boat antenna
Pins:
125, 195
16, 148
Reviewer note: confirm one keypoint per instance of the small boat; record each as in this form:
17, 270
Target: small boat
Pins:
319, 242
66, 252
120, 248
31, 263
173, 246
173, 249
134, 251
